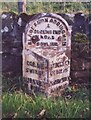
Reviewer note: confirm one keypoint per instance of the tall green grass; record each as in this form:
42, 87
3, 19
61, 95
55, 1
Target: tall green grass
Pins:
21, 105
56, 7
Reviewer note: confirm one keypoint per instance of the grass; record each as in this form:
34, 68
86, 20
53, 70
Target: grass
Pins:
21, 105
55, 7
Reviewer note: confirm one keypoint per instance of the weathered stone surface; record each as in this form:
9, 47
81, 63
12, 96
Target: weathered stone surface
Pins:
80, 63
8, 19
88, 26
11, 46
79, 23
68, 17
81, 74
11, 63
80, 50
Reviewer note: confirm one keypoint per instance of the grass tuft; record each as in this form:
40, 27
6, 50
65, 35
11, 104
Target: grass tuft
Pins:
21, 105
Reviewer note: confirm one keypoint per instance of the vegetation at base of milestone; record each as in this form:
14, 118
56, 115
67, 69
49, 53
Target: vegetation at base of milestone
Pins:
21, 105
56, 7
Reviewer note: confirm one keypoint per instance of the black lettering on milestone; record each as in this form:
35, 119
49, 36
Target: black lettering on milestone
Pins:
27, 69
61, 27
51, 20
46, 19
63, 31
64, 35
64, 44
45, 37
41, 36
55, 21
67, 62
28, 63
52, 37
30, 31
35, 24
31, 70
58, 23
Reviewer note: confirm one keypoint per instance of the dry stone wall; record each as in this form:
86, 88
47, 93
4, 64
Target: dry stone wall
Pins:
13, 27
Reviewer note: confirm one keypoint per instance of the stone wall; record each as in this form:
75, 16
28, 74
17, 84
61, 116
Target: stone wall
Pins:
80, 65
12, 28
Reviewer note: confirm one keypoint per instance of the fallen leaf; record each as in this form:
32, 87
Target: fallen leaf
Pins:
41, 114
15, 115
